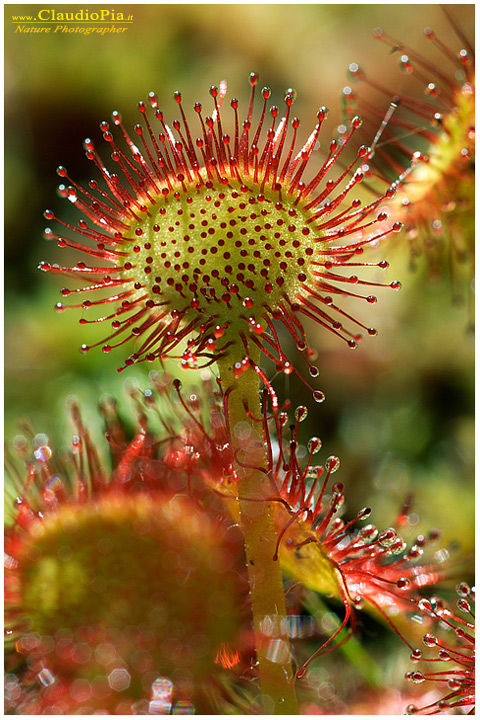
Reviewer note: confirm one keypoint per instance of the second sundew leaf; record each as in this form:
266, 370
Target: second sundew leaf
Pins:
430, 117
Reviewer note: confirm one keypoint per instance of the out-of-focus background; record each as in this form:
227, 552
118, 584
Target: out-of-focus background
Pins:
399, 409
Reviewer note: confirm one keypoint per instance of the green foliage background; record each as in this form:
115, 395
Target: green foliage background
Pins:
399, 411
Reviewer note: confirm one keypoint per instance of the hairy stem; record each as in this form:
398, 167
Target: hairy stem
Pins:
277, 679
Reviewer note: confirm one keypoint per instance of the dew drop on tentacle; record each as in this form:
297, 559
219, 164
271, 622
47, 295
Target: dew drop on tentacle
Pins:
417, 677
429, 640
314, 445
332, 463
463, 589
301, 413
387, 537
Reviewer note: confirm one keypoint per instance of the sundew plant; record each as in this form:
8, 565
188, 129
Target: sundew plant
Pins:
250, 491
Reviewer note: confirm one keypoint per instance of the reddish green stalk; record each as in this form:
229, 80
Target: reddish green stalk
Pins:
277, 679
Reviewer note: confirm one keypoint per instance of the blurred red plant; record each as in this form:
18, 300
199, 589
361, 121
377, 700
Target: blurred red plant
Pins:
129, 558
